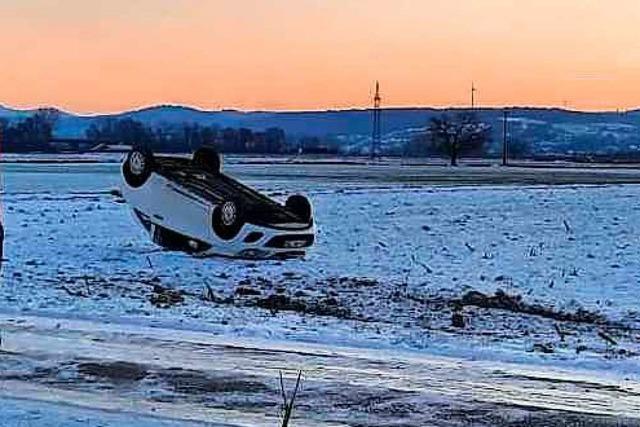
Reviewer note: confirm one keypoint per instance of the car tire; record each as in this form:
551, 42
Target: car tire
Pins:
208, 159
138, 166
227, 220
300, 206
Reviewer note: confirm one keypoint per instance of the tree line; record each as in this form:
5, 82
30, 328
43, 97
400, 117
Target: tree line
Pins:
453, 136
33, 133
187, 137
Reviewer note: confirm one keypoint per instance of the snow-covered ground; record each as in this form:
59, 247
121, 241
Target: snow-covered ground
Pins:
541, 277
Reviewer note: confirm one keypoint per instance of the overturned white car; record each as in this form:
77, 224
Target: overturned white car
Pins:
190, 205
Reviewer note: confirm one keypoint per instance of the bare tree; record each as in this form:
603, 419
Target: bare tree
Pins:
460, 134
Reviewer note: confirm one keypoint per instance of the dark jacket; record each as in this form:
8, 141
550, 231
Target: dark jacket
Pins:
1, 243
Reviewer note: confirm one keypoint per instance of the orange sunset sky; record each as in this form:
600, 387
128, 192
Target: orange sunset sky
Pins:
93, 56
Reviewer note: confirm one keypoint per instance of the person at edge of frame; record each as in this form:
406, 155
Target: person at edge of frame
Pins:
1, 243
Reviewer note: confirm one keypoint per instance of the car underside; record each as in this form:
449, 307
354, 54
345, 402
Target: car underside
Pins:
190, 205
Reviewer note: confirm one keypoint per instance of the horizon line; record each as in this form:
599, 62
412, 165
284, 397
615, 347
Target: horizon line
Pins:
319, 110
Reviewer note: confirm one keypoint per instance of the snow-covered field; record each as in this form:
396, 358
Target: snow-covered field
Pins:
528, 278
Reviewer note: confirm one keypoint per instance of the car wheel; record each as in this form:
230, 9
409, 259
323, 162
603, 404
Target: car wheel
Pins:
301, 207
227, 220
208, 159
138, 166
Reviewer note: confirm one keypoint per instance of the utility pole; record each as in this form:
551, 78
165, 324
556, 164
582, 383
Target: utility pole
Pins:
473, 96
376, 131
505, 142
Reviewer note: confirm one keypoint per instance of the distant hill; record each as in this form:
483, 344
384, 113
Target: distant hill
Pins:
543, 130
305, 123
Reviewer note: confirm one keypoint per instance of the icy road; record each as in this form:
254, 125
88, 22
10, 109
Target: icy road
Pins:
174, 375
424, 302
